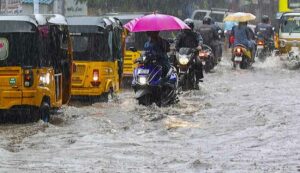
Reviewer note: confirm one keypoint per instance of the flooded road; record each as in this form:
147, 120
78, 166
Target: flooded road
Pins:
240, 121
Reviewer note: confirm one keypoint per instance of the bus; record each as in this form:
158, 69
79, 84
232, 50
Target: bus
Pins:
288, 5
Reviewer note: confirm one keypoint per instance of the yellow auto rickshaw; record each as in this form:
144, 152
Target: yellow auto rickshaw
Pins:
35, 64
97, 43
289, 31
136, 40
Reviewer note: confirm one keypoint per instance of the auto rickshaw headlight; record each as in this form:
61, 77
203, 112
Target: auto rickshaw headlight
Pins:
282, 43
45, 79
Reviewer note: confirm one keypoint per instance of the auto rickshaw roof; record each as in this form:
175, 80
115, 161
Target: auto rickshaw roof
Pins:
291, 14
56, 19
125, 17
19, 18
89, 21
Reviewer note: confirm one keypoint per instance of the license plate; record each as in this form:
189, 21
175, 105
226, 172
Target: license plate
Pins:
260, 47
238, 58
143, 71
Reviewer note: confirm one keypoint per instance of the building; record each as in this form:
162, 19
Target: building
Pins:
65, 7
10, 7
45, 6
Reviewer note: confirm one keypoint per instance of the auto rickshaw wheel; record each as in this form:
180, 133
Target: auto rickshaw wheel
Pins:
44, 111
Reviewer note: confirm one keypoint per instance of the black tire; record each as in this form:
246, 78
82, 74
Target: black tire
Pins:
145, 100
102, 98
44, 112
244, 64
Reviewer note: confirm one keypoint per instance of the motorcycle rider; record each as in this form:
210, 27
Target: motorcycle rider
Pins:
244, 35
158, 47
265, 30
209, 32
188, 38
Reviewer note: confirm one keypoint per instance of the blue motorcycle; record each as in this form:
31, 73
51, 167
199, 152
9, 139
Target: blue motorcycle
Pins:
149, 84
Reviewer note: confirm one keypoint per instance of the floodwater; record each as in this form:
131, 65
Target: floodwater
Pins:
240, 121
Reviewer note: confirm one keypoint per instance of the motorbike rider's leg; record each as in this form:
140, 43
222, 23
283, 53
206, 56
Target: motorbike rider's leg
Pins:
252, 48
198, 72
165, 69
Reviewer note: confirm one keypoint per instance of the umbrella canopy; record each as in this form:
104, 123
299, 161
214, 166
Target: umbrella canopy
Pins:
155, 22
240, 17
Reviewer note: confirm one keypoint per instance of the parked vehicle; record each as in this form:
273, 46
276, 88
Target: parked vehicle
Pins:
97, 50
150, 86
216, 14
35, 65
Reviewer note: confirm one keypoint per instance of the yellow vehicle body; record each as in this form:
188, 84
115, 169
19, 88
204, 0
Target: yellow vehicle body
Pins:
13, 93
289, 31
82, 80
246, 52
283, 6
33, 73
97, 55
129, 62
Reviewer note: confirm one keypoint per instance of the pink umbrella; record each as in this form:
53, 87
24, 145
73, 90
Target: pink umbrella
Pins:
155, 22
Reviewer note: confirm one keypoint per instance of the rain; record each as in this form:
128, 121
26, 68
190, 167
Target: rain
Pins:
73, 74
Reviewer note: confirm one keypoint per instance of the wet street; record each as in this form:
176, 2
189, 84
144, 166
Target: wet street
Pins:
239, 121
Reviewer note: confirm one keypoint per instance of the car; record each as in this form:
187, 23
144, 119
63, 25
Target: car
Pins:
216, 14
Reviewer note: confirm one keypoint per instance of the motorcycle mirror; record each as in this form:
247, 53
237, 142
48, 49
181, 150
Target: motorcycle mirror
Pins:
133, 49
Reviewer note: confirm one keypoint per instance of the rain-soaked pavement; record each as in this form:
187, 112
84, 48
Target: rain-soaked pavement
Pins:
240, 121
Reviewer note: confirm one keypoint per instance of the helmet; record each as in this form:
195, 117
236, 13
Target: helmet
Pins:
207, 20
265, 19
189, 22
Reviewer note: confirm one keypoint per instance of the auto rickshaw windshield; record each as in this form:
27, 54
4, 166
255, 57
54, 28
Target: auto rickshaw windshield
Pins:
91, 43
291, 24
18, 44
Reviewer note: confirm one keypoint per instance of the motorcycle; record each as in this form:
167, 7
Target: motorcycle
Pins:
207, 58
150, 86
264, 49
241, 57
185, 64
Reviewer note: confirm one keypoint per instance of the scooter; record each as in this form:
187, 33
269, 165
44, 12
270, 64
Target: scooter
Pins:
149, 84
241, 57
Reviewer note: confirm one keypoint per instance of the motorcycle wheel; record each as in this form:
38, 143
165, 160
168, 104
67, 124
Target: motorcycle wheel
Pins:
244, 64
145, 100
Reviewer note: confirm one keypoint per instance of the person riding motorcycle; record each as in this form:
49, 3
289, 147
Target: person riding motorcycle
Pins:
190, 39
244, 35
210, 36
265, 31
158, 47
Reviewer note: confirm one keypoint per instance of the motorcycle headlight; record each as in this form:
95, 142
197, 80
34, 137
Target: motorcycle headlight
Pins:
143, 80
183, 60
